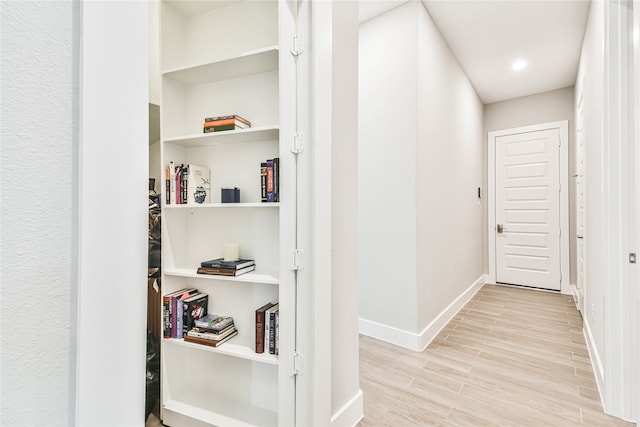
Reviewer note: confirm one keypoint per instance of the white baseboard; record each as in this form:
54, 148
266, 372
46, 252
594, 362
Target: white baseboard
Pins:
594, 356
419, 341
351, 413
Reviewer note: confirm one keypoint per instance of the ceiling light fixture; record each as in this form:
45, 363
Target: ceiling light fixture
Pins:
519, 65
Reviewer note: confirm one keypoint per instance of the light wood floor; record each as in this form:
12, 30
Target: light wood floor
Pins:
510, 357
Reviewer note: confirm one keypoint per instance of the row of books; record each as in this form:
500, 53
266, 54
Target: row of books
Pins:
190, 184
270, 180
220, 267
268, 328
181, 309
222, 123
212, 330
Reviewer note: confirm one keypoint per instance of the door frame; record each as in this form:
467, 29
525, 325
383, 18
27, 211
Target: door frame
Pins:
563, 127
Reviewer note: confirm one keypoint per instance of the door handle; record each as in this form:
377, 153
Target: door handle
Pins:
500, 228
580, 237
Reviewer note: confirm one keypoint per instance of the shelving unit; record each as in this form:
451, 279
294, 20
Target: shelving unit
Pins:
221, 58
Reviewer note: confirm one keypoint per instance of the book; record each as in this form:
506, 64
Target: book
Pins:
272, 328
226, 122
198, 184
260, 313
166, 310
212, 343
177, 315
270, 194
172, 178
263, 181
267, 326
225, 271
206, 334
194, 308
276, 179
221, 128
229, 117
167, 189
214, 322
221, 263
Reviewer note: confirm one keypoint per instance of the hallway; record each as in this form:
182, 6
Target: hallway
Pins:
511, 356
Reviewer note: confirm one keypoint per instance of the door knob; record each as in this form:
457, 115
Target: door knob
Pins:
499, 228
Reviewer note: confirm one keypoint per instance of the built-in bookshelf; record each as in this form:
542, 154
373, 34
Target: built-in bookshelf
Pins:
222, 58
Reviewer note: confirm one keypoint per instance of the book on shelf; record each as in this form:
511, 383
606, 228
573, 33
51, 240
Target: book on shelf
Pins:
225, 271
221, 263
178, 313
260, 317
211, 334
199, 184
235, 117
214, 322
273, 312
270, 180
211, 343
268, 337
221, 128
172, 183
168, 310
226, 122
194, 308
263, 181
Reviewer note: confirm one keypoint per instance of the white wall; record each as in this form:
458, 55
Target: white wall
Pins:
420, 163
591, 68
77, 242
544, 107
39, 217
387, 126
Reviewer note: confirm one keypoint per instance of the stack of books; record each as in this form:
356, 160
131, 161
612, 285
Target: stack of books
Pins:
270, 180
212, 330
220, 267
268, 329
220, 123
181, 309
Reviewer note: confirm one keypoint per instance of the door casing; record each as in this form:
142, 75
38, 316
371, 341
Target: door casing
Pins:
563, 127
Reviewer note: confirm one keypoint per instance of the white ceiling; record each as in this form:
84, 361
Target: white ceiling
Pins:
487, 36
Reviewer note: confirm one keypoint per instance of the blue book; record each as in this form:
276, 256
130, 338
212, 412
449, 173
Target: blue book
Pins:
221, 263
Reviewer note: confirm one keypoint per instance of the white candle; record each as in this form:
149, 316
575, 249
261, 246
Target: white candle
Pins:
231, 252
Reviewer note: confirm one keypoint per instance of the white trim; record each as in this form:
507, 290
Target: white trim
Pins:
594, 357
563, 127
420, 341
351, 413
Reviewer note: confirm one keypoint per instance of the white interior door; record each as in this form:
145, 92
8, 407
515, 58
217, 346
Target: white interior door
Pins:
527, 212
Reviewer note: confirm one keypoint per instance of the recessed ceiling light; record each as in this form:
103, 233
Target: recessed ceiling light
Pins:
519, 65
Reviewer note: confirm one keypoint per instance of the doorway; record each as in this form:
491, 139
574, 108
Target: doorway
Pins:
528, 221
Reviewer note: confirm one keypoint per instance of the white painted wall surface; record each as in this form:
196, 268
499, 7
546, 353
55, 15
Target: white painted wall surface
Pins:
113, 214
346, 398
449, 172
420, 163
592, 69
39, 217
544, 107
387, 126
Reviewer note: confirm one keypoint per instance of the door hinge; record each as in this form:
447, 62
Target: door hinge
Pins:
297, 144
297, 45
297, 361
296, 259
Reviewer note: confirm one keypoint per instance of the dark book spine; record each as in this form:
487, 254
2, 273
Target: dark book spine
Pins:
276, 179
260, 330
263, 182
270, 195
194, 310
166, 316
167, 188
272, 333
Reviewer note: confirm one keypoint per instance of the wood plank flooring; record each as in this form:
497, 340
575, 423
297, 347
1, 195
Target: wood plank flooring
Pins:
510, 357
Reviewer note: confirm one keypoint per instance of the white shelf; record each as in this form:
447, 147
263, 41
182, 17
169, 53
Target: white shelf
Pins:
266, 133
224, 205
216, 410
251, 277
253, 62
229, 349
